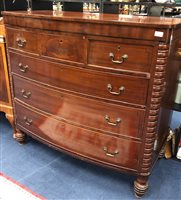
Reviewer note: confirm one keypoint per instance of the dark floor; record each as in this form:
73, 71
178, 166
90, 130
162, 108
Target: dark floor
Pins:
57, 176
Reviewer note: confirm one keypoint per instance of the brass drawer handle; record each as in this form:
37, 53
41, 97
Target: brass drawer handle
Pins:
123, 58
23, 68
178, 52
121, 89
21, 42
25, 94
27, 121
110, 154
118, 120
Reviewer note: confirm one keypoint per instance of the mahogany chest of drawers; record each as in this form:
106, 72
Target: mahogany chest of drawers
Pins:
97, 86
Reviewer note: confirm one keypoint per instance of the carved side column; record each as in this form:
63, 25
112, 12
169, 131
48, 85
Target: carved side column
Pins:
141, 183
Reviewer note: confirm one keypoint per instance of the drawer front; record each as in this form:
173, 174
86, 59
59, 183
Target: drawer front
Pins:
81, 111
70, 48
93, 145
112, 87
22, 40
120, 56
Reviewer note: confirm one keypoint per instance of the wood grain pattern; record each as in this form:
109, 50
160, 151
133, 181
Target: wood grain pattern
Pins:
72, 22
3, 87
81, 111
65, 47
100, 87
23, 40
78, 140
99, 55
83, 81
5, 95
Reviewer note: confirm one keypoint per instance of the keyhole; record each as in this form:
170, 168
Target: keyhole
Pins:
119, 47
60, 42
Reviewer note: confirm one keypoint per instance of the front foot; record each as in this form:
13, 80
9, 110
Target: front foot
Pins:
140, 187
19, 136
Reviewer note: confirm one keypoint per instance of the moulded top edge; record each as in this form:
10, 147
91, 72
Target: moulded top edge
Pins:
131, 20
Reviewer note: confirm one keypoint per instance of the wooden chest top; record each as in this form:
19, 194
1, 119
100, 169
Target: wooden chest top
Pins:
126, 26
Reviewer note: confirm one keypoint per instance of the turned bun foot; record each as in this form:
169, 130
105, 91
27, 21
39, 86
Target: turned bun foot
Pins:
140, 188
19, 136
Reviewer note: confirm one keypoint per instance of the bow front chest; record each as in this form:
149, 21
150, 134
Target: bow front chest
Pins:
97, 86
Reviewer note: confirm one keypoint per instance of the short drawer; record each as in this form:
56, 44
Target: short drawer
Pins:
23, 40
85, 112
120, 55
89, 144
112, 87
66, 47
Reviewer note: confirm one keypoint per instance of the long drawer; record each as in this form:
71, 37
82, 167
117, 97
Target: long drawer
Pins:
82, 111
96, 146
112, 87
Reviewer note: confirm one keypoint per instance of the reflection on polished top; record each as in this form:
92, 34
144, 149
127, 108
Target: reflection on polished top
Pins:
160, 22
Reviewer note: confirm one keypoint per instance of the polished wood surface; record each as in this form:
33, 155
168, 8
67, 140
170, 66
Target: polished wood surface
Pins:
86, 112
100, 87
71, 22
16, 39
142, 21
2, 28
5, 96
63, 46
79, 80
4, 92
86, 143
